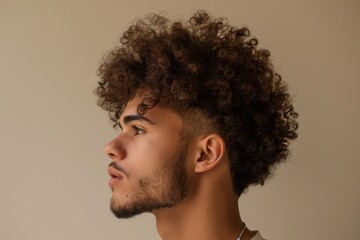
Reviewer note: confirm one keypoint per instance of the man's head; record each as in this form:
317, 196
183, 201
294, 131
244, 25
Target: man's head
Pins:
214, 79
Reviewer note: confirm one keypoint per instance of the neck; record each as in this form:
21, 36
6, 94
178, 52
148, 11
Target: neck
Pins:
203, 215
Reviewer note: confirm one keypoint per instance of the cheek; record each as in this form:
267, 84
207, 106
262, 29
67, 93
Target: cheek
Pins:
143, 155
149, 151
166, 145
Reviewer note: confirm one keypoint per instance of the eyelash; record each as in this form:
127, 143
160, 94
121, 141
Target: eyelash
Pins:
138, 130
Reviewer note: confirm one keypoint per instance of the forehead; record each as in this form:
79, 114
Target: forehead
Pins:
159, 115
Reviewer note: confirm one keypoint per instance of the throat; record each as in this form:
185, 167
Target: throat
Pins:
199, 220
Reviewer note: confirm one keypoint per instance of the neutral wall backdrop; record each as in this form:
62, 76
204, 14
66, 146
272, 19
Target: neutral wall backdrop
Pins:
53, 176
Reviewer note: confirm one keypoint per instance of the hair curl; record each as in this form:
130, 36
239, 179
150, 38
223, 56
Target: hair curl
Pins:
207, 65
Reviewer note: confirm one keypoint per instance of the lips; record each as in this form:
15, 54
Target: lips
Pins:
116, 175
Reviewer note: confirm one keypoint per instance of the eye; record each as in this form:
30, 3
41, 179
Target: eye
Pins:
138, 130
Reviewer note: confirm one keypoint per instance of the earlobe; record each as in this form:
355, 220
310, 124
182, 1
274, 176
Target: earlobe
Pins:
211, 149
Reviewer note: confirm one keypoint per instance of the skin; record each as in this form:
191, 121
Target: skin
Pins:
208, 209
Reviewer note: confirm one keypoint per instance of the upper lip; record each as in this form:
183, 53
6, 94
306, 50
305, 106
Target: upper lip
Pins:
114, 173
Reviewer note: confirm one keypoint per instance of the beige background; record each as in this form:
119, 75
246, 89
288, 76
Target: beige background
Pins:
53, 176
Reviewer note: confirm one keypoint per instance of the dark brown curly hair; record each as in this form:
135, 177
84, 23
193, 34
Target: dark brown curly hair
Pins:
209, 67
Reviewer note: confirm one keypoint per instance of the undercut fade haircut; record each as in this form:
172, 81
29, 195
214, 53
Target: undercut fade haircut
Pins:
207, 68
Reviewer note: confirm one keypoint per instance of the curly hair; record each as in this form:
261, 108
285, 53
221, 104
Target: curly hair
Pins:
207, 66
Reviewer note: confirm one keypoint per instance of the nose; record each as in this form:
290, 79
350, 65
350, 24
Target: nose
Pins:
115, 149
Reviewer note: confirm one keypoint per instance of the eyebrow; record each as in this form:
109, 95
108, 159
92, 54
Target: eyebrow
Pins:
136, 117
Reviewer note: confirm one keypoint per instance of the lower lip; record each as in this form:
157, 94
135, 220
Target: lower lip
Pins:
113, 181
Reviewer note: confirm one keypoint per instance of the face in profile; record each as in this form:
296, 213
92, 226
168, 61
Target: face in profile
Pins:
148, 161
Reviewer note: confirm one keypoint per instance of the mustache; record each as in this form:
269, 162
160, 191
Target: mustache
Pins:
117, 167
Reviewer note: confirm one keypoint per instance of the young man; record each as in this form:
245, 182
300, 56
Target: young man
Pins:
203, 115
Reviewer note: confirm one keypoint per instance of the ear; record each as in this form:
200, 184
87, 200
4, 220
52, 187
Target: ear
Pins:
211, 152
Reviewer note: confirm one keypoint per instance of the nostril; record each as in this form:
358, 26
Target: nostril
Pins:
108, 149
115, 149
